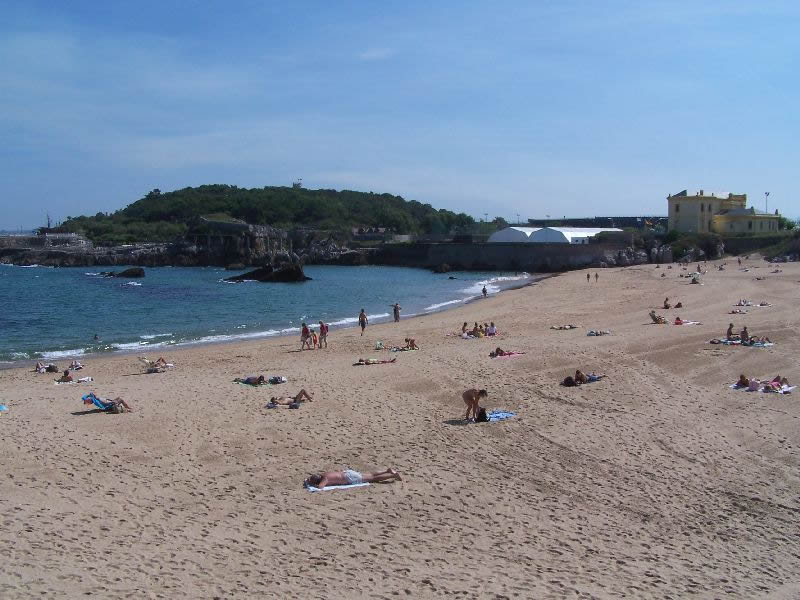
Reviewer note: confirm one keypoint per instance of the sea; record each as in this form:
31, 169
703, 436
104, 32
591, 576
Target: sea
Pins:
55, 313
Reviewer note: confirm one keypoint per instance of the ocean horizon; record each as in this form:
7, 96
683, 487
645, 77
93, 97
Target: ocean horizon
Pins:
55, 313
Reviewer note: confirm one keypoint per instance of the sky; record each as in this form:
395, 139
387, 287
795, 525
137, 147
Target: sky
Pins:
529, 108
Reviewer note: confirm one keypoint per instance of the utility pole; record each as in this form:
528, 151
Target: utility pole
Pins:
766, 201
517, 218
486, 220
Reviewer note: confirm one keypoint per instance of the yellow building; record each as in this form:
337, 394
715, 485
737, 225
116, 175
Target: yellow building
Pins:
718, 214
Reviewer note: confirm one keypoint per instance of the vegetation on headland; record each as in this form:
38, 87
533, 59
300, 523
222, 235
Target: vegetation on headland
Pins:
160, 217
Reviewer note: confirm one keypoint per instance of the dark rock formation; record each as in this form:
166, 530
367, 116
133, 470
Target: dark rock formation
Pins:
285, 274
442, 268
131, 273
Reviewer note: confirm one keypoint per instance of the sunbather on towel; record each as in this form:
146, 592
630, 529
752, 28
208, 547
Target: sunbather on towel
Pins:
775, 384
743, 382
372, 361
290, 401
350, 477
657, 319
581, 377
108, 405
252, 380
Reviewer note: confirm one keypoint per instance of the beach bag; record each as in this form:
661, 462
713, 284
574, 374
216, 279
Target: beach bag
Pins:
568, 381
276, 379
482, 416
379, 345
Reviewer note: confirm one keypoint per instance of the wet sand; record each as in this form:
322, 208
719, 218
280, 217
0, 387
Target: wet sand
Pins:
658, 481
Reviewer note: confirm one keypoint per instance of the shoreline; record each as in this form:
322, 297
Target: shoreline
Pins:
532, 279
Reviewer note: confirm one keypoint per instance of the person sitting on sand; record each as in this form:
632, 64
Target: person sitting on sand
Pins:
492, 330
251, 380
657, 319
729, 335
744, 335
679, 305
290, 401
350, 477
667, 305
411, 344
464, 328
743, 382
481, 332
472, 399
65, 378
678, 321
581, 377
474, 332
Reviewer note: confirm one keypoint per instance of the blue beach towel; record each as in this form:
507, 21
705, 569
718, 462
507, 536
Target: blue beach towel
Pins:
500, 415
311, 488
3, 408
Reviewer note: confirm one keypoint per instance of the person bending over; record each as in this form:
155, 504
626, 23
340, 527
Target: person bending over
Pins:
472, 399
411, 344
351, 477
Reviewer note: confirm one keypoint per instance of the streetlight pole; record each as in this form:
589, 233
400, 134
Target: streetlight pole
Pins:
486, 220
766, 201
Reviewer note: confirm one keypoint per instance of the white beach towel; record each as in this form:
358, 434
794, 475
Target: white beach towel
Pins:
785, 389
81, 380
327, 488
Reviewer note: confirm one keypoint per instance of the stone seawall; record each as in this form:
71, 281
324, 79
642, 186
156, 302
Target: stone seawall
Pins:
507, 257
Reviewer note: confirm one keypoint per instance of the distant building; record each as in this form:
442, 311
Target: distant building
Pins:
552, 235
722, 213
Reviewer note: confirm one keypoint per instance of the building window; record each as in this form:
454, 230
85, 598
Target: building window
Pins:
702, 207
731, 226
709, 224
750, 225
761, 225
677, 207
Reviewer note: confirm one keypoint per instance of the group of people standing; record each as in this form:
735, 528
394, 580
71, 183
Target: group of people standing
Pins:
309, 339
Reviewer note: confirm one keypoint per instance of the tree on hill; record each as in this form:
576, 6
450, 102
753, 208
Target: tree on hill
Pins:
163, 216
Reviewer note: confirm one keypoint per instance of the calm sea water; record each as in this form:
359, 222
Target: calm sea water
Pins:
54, 313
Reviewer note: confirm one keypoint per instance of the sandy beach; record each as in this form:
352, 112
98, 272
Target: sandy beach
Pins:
658, 482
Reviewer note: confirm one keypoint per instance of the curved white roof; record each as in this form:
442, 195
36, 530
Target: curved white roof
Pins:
513, 234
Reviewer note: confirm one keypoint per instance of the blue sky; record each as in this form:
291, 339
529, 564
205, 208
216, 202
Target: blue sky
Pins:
560, 108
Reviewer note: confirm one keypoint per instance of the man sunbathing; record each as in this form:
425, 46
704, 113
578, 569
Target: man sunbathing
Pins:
350, 477
75, 365
581, 377
290, 401
117, 403
251, 380
472, 399
372, 361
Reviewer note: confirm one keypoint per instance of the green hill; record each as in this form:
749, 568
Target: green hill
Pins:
162, 217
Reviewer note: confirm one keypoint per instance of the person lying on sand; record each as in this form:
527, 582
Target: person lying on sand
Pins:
290, 401
738, 311
561, 327
657, 319
65, 378
350, 477
252, 380
75, 365
472, 399
497, 352
372, 361
411, 344
581, 377
117, 404
743, 382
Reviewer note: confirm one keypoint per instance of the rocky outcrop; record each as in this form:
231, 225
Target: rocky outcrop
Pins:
286, 274
131, 273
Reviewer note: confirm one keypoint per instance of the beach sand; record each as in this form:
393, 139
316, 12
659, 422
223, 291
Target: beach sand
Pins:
658, 481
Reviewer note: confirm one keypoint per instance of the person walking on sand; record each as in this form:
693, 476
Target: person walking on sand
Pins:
596, 277
588, 278
350, 477
323, 334
362, 321
396, 310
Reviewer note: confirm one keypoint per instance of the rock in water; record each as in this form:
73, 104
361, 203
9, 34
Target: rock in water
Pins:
284, 274
131, 273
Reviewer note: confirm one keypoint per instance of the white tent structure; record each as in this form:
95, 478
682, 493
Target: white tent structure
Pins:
567, 235
513, 235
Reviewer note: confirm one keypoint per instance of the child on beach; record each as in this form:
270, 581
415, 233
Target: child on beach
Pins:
314, 339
